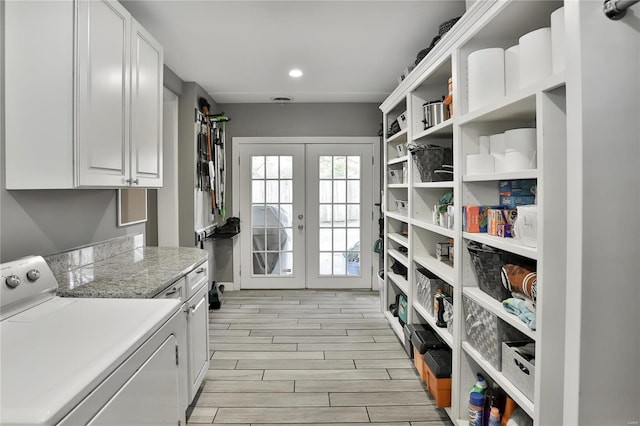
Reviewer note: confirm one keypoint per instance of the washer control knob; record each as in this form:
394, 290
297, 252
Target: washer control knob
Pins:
33, 275
13, 281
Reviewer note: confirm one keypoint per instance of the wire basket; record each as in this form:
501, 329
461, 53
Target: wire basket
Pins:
435, 163
487, 263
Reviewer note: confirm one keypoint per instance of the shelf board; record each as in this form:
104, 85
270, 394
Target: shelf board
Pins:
398, 185
450, 233
395, 324
442, 332
397, 216
516, 106
498, 377
399, 238
507, 244
441, 269
399, 282
443, 129
435, 185
398, 160
402, 134
487, 177
399, 256
495, 307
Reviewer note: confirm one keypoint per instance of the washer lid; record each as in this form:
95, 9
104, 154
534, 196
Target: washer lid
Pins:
53, 355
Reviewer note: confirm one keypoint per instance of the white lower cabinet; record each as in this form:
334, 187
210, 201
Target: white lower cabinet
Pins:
193, 290
198, 338
102, 126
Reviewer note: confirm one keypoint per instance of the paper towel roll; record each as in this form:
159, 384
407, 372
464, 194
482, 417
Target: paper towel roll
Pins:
479, 163
512, 69
515, 160
498, 163
558, 49
497, 143
535, 56
522, 140
484, 145
486, 77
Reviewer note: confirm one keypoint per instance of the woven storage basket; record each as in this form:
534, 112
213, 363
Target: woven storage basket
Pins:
486, 332
487, 263
430, 158
427, 283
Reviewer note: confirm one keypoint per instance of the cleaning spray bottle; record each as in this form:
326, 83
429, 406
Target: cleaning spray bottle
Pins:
480, 386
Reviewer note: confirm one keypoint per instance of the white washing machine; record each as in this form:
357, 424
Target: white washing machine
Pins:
74, 361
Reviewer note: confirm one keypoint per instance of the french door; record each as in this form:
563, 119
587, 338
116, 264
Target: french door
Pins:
306, 213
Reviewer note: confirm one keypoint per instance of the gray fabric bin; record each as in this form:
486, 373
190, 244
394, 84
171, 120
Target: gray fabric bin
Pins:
486, 332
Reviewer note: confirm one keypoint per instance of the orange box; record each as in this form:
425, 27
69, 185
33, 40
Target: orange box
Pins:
439, 388
421, 366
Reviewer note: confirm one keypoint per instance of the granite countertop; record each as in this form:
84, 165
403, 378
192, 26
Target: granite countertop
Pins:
143, 272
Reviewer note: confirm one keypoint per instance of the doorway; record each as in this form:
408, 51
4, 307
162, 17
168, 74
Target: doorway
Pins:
306, 212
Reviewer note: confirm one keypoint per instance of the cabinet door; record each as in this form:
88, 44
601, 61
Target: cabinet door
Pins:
198, 336
146, 108
103, 94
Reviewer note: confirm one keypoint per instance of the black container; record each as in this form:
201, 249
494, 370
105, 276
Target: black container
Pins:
439, 362
425, 340
409, 329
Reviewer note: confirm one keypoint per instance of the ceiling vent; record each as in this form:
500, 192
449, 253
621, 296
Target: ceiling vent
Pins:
282, 99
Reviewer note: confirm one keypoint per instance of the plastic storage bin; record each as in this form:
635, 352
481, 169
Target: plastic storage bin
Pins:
438, 367
408, 330
517, 369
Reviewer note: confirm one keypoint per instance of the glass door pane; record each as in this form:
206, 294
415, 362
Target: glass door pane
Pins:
271, 209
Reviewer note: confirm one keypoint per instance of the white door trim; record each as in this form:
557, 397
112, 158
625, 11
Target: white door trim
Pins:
235, 183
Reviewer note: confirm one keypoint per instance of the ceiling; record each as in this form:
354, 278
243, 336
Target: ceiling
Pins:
241, 51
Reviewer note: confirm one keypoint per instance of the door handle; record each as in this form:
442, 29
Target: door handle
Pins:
300, 227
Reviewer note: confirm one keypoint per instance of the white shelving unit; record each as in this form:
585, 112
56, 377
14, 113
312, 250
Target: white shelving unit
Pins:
541, 105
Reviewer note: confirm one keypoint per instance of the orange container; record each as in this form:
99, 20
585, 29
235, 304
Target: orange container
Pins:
439, 388
421, 366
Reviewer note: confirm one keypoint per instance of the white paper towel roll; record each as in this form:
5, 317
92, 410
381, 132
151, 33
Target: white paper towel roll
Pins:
497, 143
484, 145
498, 163
479, 163
515, 161
512, 69
486, 77
558, 49
522, 140
535, 56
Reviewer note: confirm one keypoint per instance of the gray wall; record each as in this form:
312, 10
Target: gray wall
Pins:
272, 120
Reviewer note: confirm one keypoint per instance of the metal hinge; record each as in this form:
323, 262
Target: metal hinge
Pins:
177, 356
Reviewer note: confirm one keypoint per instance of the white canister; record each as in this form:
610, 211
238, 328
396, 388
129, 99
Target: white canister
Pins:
515, 161
558, 40
484, 145
486, 77
479, 163
497, 143
535, 56
512, 69
522, 140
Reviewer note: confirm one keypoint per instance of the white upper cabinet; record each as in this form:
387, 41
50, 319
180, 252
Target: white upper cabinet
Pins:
146, 108
84, 106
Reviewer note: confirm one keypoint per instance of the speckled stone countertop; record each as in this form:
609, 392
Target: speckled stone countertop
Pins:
142, 272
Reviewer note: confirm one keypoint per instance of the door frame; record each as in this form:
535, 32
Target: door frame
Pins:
235, 174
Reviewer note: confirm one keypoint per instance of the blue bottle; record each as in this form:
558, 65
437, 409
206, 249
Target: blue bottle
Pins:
476, 404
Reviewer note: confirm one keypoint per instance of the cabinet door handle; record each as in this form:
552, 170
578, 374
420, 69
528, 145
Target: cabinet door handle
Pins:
172, 291
136, 181
199, 270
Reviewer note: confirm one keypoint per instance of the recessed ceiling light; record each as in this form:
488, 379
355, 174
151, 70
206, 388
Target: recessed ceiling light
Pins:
295, 73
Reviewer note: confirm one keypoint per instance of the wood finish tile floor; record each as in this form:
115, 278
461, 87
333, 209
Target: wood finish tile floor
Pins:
309, 357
